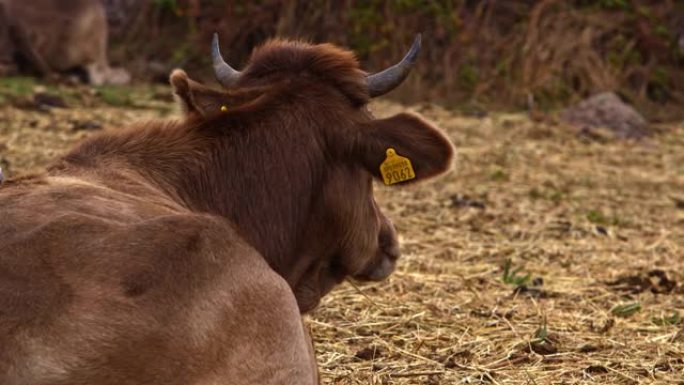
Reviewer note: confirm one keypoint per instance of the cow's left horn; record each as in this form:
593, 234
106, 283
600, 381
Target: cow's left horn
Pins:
387, 80
225, 74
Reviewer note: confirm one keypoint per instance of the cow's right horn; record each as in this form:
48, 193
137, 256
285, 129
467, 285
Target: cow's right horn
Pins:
225, 74
387, 80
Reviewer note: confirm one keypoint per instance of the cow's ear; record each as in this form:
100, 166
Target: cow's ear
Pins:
427, 148
196, 98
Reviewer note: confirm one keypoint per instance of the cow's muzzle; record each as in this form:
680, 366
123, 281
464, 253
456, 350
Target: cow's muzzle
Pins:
380, 270
385, 260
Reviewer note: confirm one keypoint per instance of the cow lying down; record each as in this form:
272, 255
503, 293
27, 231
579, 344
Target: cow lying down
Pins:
182, 252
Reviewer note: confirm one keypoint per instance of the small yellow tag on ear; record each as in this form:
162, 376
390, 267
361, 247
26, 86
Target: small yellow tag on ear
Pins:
396, 168
224, 108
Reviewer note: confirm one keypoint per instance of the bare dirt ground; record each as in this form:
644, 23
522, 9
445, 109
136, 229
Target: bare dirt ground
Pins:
543, 258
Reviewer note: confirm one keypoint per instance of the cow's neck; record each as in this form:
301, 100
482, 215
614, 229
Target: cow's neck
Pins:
262, 184
265, 186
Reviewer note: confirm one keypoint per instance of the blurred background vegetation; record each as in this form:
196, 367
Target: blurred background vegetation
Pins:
476, 54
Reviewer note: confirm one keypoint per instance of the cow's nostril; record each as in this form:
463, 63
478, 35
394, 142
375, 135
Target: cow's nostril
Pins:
391, 250
381, 269
392, 253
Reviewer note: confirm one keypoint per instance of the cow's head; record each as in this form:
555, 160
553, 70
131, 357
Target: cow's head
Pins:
293, 131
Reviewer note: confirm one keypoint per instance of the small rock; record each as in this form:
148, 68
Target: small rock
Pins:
595, 369
4, 164
369, 353
532, 292
458, 200
606, 110
601, 230
87, 125
663, 366
543, 347
679, 202
588, 348
43, 99
602, 329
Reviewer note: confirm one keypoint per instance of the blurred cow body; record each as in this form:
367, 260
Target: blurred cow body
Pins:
183, 252
53, 36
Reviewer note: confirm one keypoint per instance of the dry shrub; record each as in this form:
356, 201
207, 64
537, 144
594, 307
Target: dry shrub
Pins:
567, 53
559, 49
492, 52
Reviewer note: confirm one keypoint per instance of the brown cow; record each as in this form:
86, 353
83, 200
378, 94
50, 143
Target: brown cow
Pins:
53, 36
182, 252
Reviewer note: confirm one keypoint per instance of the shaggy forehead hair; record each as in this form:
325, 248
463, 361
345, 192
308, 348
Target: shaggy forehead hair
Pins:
323, 62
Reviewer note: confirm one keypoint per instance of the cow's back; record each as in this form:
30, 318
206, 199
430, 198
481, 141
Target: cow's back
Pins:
100, 286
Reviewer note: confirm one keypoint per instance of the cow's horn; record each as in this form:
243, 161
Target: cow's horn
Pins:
385, 81
225, 74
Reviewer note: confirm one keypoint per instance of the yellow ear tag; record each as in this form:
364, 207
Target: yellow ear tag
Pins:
224, 108
396, 168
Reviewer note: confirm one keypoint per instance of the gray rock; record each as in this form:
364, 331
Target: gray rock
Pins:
607, 110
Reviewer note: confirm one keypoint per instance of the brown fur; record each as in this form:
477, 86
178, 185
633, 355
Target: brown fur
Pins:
182, 252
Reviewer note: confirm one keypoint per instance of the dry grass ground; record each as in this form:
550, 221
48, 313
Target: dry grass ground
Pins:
593, 230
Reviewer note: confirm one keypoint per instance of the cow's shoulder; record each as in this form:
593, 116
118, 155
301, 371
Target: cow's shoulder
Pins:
73, 235
165, 280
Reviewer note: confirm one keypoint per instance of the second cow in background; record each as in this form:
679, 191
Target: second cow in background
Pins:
53, 36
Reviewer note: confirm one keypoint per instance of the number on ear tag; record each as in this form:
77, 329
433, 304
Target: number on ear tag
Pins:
396, 168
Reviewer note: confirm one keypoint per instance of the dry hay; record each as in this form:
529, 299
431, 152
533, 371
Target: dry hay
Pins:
588, 221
